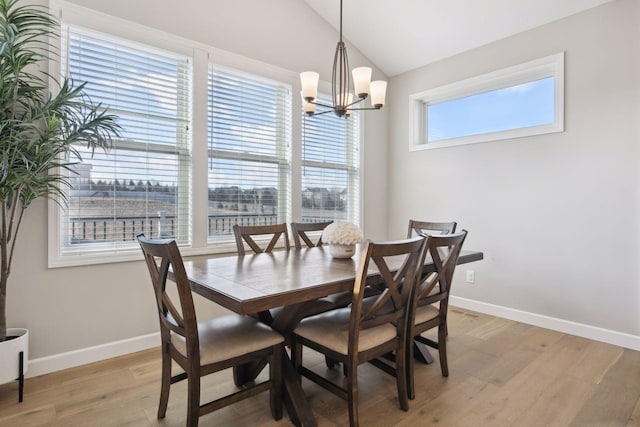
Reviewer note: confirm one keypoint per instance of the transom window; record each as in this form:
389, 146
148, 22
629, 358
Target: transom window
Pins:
518, 101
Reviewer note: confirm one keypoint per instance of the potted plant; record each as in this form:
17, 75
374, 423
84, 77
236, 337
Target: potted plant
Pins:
342, 237
42, 119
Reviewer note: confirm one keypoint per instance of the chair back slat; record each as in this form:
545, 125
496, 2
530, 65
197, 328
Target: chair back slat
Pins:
389, 306
299, 231
161, 256
244, 234
430, 228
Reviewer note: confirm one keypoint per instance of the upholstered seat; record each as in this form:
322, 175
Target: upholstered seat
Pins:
426, 313
229, 336
331, 330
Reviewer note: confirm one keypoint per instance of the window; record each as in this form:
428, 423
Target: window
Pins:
330, 167
249, 140
519, 101
142, 185
207, 142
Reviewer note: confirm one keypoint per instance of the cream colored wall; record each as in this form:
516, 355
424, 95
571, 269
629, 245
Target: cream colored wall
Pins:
73, 308
557, 215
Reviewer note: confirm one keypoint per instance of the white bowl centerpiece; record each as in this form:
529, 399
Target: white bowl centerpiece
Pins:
342, 236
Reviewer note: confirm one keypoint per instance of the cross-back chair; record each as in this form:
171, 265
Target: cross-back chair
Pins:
354, 335
430, 301
430, 228
206, 347
245, 234
299, 231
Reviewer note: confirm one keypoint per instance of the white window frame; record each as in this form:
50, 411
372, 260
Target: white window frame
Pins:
282, 157
118, 30
202, 55
550, 66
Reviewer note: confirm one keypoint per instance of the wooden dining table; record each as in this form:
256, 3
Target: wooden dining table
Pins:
287, 280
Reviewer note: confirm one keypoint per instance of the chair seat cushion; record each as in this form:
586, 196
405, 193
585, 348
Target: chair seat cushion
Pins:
343, 299
310, 308
425, 313
331, 330
226, 337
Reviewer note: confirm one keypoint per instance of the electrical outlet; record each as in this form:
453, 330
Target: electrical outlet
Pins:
471, 276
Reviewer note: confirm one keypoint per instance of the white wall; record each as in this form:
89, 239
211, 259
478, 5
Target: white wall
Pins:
557, 215
67, 309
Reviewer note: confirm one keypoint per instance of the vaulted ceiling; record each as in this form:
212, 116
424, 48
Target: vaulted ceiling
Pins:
400, 35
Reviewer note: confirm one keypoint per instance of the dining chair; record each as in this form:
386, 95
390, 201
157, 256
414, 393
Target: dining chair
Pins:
246, 234
202, 348
428, 227
429, 302
330, 302
356, 334
422, 228
299, 231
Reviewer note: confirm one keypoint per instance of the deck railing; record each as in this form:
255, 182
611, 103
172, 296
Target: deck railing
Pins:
86, 230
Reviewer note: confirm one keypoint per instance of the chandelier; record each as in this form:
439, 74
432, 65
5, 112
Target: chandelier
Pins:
342, 97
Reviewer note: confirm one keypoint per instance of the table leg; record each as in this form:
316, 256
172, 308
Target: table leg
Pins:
243, 374
422, 353
295, 399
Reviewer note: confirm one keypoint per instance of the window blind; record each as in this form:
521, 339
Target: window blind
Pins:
142, 185
249, 140
330, 167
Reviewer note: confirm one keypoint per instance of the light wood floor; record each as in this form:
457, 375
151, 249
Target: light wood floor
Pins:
502, 373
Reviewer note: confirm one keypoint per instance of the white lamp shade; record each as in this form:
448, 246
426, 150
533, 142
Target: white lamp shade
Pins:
361, 80
378, 93
309, 83
307, 107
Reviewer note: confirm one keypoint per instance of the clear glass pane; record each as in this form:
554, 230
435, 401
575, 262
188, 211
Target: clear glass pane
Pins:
520, 106
330, 164
241, 192
325, 194
141, 185
118, 195
248, 139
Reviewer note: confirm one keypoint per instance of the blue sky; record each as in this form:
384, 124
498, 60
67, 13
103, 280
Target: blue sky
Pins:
524, 105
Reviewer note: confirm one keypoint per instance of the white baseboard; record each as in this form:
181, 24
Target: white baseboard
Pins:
579, 329
58, 362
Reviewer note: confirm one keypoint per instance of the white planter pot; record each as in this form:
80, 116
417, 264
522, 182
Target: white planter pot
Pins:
342, 251
10, 354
